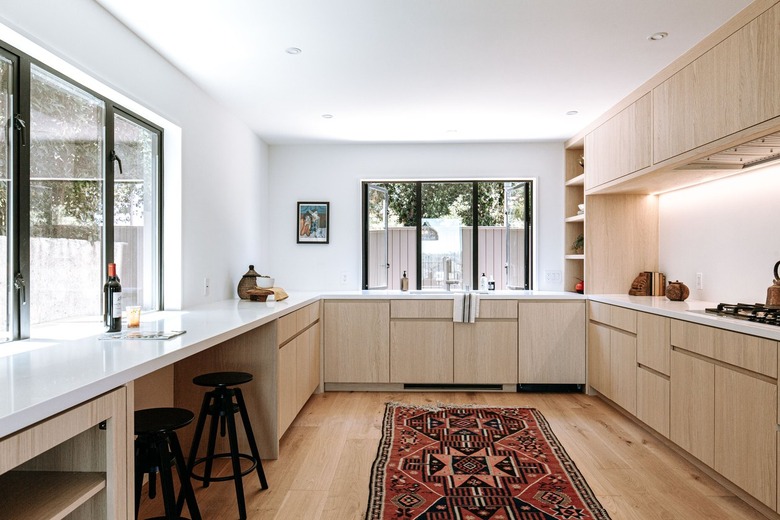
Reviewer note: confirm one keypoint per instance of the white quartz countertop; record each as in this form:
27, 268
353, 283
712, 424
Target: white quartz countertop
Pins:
41, 377
689, 310
443, 295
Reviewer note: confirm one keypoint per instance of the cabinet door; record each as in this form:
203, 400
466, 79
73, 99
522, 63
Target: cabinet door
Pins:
307, 366
486, 352
420, 351
623, 369
745, 429
599, 358
692, 409
357, 341
731, 87
652, 400
621, 145
653, 347
287, 386
551, 342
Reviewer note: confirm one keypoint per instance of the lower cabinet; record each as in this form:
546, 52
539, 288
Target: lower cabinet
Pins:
599, 359
623, 369
692, 410
356, 338
612, 341
485, 352
652, 400
551, 342
71, 466
421, 351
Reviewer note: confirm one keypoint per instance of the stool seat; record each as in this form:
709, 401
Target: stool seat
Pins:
161, 420
222, 379
222, 403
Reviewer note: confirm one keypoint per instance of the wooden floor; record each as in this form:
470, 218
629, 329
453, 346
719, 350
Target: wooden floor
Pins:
326, 455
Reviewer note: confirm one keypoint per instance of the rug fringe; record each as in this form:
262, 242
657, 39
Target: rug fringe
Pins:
448, 406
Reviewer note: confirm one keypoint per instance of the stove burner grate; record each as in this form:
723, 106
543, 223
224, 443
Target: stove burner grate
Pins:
756, 312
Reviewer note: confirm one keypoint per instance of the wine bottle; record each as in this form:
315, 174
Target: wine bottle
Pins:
112, 303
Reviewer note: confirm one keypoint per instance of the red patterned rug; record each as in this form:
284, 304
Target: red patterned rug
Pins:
475, 463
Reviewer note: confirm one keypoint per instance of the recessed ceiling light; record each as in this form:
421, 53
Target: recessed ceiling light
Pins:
327, 116
657, 36
572, 113
293, 50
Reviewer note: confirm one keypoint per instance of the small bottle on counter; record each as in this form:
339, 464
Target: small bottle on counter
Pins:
404, 282
112, 300
491, 284
483, 282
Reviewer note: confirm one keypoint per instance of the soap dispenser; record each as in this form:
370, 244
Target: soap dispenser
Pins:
404, 282
491, 284
483, 283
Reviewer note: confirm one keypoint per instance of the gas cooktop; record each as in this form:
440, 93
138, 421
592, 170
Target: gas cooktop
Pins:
755, 312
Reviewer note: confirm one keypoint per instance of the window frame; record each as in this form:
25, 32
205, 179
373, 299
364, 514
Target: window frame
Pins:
19, 197
530, 235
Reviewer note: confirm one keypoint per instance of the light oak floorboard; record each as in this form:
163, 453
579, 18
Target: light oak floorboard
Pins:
325, 461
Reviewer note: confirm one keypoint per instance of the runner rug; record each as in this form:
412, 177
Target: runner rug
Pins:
475, 463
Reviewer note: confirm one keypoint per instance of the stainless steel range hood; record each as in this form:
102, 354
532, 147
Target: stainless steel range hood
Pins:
757, 152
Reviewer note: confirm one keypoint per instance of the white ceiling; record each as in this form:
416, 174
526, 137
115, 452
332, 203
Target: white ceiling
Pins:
420, 70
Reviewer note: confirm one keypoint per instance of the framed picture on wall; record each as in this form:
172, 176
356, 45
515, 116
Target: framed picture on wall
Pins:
313, 222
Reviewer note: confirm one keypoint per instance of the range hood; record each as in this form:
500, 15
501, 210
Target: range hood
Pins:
757, 152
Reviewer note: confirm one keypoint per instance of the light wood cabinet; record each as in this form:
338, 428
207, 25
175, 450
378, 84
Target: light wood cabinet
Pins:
621, 145
421, 340
421, 351
599, 358
298, 363
745, 450
623, 369
692, 410
731, 87
68, 466
653, 348
485, 352
551, 348
612, 353
652, 400
356, 339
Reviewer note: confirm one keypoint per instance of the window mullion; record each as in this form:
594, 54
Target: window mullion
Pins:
20, 204
108, 187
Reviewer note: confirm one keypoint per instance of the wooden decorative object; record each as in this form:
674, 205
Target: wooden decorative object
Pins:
640, 286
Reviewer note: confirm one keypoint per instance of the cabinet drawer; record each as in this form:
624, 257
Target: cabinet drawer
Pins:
618, 317
497, 309
291, 324
742, 350
652, 400
421, 309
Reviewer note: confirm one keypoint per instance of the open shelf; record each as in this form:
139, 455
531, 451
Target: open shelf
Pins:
576, 218
574, 257
47, 494
579, 180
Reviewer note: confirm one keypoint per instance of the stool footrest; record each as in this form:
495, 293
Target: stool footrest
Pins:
244, 472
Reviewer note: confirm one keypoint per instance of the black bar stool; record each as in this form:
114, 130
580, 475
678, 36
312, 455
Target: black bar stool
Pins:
157, 448
222, 403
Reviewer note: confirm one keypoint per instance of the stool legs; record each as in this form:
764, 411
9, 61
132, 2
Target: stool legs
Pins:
219, 404
251, 438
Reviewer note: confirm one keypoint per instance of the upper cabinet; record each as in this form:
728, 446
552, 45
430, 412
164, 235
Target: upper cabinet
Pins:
731, 87
621, 145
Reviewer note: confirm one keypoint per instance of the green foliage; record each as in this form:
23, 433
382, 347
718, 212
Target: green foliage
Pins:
454, 200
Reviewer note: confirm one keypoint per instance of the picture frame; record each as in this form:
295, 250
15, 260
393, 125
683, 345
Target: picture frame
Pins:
313, 222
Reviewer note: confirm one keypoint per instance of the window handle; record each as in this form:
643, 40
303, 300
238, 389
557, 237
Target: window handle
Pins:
114, 157
21, 126
19, 285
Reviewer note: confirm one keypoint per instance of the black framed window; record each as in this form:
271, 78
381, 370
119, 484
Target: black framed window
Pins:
445, 234
81, 187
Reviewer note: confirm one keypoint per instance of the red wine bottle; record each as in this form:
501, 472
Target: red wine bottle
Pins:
112, 300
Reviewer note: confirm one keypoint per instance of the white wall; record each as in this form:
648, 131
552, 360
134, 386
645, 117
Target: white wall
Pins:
728, 230
332, 173
215, 167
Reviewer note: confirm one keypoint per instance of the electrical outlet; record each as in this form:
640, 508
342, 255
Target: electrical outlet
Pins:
206, 285
553, 276
700, 281
344, 278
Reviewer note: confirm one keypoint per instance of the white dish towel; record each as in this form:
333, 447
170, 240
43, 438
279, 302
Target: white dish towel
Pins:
458, 305
465, 307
